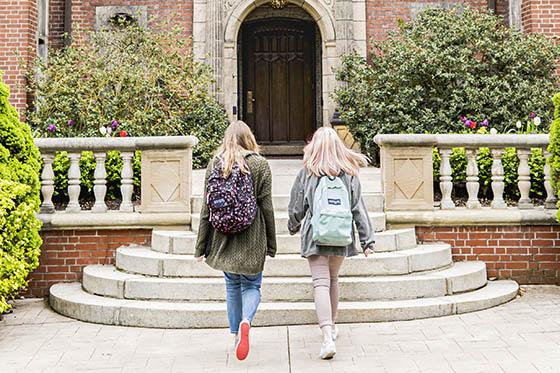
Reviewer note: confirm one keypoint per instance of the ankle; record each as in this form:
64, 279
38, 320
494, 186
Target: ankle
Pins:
327, 332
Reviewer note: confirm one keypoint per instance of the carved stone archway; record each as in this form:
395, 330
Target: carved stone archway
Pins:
216, 26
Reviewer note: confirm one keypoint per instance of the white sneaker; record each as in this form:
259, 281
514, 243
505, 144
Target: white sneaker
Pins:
334, 332
328, 349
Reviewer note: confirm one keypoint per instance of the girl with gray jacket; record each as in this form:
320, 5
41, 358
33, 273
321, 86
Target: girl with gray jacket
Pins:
326, 155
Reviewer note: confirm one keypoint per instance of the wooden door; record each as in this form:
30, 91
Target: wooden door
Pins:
278, 89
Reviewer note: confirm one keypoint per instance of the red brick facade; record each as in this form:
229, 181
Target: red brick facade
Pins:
18, 23
541, 16
526, 254
18, 27
65, 253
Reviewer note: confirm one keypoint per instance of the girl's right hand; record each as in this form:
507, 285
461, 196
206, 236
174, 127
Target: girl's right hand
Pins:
368, 251
200, 259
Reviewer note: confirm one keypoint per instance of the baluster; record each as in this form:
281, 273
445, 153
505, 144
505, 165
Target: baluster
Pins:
126, 182
551, 200
99, 183
47, 184
498, 180
445, 178
472, 180
524, 179
74, 183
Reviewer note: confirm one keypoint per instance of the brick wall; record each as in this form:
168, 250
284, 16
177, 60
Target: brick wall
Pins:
179, 12
526, 254
56, 23
382, 15
541, 16
65, 253
18, 27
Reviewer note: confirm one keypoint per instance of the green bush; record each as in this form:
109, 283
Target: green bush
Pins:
510, 163
441, 66
19, 201
554, 147
142, 81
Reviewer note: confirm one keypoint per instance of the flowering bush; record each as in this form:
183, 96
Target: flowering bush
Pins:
441, 66
19, 201
125, 81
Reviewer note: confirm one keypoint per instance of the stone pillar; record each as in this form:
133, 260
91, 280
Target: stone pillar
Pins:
498, 180
74, 183
407, 174
47, 184
446, 179
515, 14
524, 179
166, 180
214, 31
472, 180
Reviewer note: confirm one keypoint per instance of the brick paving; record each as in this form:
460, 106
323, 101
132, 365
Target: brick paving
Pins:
521, 336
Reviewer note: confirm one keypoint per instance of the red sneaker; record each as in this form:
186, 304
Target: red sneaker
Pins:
242, 348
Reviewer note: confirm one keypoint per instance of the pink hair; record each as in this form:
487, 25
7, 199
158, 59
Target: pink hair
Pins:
326, 154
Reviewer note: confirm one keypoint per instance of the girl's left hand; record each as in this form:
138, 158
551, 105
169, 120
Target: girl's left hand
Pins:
200, 259
368, 251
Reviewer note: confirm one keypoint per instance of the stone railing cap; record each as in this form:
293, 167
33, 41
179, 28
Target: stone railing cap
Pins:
115, 143
463, 140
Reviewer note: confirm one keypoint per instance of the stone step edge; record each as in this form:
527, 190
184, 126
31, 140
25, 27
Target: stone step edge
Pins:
378, 221
389, 240
106, 280
415, 259
71, 300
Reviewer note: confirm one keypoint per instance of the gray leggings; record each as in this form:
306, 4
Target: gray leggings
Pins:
324, 271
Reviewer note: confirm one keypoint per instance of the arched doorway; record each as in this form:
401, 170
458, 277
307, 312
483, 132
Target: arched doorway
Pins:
278, 73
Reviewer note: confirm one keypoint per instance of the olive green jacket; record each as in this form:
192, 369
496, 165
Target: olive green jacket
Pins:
244, 252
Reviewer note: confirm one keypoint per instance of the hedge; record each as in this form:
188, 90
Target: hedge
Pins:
19, 201
554, 147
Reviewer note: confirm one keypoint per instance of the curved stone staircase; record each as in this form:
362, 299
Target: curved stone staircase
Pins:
163, 286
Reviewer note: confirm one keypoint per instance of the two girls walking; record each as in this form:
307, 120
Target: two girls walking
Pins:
237, 228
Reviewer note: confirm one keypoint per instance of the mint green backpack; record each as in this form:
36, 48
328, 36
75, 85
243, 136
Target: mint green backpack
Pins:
332, 216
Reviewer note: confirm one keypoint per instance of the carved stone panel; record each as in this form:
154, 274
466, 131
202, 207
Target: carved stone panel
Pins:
407, 178
166, 178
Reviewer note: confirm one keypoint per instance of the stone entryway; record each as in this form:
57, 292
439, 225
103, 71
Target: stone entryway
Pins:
278, 80
340, 27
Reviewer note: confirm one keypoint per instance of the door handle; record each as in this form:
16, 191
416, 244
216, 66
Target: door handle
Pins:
250, 101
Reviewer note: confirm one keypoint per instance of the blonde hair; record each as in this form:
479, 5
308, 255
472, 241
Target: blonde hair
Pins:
238, 141
326, 154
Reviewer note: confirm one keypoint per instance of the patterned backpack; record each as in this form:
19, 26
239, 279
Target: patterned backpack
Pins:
231, 200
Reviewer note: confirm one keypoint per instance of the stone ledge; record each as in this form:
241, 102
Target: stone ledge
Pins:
114, 220
466, 217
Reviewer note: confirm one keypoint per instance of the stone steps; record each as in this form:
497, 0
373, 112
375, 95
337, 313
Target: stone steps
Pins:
183, 242
374, 202
71, 300
141, 260
281, 220
461, 277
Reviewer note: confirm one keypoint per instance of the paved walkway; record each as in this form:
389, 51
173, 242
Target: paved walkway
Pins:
521, 336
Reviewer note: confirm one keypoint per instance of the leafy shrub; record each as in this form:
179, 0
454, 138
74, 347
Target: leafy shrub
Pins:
441, 66
19, 201
554, 147
143, 82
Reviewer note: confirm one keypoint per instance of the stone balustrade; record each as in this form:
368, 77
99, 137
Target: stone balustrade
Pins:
165, 180
407, 169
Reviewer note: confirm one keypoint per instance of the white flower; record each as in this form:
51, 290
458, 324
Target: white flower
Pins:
493, 131
103, 130
518, 124
537, 121
109, 131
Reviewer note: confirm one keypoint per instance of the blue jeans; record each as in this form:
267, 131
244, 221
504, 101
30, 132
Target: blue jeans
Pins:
243, 295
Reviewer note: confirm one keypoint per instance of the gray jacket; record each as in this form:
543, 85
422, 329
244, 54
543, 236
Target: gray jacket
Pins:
300, 210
